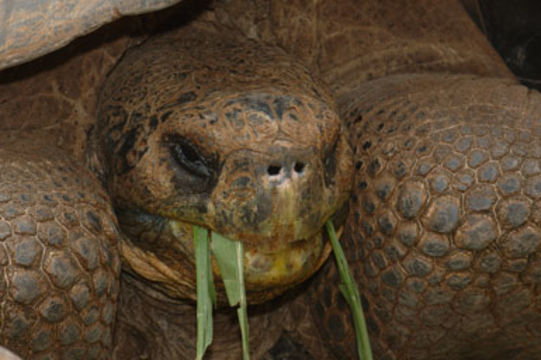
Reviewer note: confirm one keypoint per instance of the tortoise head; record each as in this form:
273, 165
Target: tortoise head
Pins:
232, 136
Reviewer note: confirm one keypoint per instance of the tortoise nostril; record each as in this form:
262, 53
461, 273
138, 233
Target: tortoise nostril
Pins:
274, 170
299, 167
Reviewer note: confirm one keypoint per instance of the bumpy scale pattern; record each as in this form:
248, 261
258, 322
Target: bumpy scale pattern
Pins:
445, 228
59, 265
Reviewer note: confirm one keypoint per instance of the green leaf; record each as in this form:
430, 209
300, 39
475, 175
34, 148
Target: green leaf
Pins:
349, 290
205, 290
229, 255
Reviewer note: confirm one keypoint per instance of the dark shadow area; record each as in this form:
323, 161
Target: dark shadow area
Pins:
514, 29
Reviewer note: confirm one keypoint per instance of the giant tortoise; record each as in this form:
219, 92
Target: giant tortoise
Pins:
256, 120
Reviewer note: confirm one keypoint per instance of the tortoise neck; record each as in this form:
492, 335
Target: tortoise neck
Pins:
151, 323
359, 41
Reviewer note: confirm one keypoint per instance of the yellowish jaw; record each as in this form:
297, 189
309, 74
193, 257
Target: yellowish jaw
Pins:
266, 270
290, 265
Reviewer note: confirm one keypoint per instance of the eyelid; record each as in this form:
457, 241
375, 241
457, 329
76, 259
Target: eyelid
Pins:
190, 150
176, 139
199, 168
204, 165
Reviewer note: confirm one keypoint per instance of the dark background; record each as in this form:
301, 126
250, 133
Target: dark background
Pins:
514, 29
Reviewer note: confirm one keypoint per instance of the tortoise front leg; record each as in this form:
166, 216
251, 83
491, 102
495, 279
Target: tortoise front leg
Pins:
444, 231
59, 264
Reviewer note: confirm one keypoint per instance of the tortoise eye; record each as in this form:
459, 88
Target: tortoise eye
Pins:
189, 158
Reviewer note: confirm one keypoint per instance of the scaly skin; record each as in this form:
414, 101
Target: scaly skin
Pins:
58, 254
444, 240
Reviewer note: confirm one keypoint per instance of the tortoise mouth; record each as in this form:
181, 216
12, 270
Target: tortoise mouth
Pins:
160, 250
269, 272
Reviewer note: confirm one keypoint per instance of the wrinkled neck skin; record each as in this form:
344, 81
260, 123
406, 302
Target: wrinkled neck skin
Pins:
349, 42
201, 126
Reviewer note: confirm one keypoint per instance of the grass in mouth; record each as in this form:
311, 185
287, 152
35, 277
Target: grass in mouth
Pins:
229, 256
206, 295
349, 290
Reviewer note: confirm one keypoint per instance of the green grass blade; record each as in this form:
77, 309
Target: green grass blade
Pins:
230, 254
205, 289
242, 311
242, 314
349, 290
212, 290
225, 253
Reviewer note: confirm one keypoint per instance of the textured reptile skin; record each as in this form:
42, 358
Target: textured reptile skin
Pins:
58, 251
